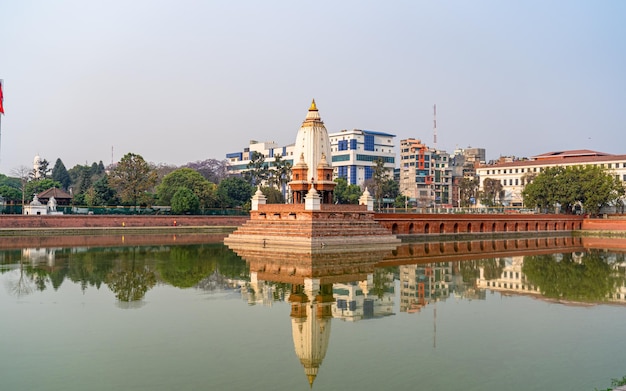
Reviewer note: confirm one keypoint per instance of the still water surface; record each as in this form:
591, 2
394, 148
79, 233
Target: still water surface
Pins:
195, 317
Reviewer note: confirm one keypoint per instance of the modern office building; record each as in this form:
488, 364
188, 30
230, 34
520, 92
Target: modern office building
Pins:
355, 152
513, 174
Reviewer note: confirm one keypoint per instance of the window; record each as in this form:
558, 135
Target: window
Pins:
369, 172
369, 142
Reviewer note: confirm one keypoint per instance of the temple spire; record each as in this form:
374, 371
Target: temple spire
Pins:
313, 106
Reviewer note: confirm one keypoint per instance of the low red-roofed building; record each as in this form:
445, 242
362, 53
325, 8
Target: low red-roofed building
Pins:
513, 174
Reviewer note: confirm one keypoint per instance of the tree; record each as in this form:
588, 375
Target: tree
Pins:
234, 191
101, 193
132, 177
42, 171
280, 174
60, 174
589, 186
346, 194
204, 190
185, 201
390, 188
24, 174
10, 194
257, 169
212, 170
492, 192
468, 189
82, 179
273, 195
379, 176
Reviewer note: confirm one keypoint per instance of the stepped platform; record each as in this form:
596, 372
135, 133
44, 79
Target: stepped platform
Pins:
288, 226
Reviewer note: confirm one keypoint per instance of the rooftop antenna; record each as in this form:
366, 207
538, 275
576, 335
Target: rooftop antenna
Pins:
435, 126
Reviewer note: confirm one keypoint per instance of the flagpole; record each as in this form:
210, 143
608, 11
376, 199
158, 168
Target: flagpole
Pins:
1, 113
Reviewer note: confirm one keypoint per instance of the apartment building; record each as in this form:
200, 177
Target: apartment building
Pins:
424, 175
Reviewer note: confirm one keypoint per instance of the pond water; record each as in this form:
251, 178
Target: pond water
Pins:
197, 316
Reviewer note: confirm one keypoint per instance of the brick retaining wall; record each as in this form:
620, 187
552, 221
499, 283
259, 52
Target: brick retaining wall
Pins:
77, 221
398, 222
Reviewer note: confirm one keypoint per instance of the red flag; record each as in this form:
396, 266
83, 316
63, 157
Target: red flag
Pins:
1, 99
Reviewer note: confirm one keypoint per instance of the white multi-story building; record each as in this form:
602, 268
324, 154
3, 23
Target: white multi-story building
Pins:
513, 174
353, 154
238, 161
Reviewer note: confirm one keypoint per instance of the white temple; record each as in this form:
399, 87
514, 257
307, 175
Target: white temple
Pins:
312, 141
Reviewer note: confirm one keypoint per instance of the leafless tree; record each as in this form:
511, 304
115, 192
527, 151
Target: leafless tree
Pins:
25, 174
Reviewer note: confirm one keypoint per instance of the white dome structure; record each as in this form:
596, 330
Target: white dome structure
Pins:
312, 141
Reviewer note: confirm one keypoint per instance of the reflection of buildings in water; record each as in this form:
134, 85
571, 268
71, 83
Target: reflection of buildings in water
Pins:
423, 284
510, 280
259, 291
357, 300
513, 280
39, 255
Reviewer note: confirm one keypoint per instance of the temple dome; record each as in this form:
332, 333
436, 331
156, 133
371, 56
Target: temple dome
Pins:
312, 140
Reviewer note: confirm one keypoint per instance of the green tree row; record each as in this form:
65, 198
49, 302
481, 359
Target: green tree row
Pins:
188, 189
586, 188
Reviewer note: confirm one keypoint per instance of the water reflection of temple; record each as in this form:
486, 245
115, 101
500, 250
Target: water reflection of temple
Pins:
322, 283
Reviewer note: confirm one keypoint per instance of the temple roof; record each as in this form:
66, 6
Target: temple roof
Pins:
54, 192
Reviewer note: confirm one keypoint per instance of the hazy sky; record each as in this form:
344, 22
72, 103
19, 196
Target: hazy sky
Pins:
180, 81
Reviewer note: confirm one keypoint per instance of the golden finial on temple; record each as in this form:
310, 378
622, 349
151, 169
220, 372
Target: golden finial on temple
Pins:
313, 106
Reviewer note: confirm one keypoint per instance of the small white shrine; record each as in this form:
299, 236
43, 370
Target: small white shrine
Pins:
37, 208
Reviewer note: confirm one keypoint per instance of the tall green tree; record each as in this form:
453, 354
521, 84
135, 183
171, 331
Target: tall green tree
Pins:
468, 190
257, 169
43, 170
101, 193
492, 193
60, 174
234, 191
132, 178
205, 191
185, 201
379, 176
